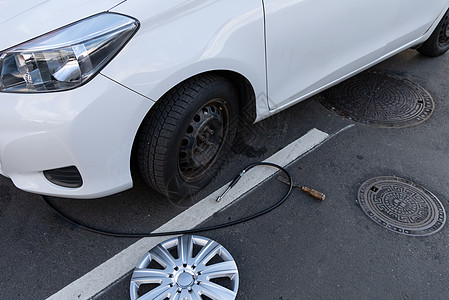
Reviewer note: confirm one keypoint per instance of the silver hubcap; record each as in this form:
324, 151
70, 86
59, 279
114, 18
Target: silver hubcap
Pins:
186, 268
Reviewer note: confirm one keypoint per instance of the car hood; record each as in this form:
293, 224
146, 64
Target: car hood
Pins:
23, 20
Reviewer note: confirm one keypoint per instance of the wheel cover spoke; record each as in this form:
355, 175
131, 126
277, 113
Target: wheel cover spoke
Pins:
185, 249
216, 291
207, 253
224, 269
162, 256
145, 276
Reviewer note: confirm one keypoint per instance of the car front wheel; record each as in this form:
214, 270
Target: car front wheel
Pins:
182, 140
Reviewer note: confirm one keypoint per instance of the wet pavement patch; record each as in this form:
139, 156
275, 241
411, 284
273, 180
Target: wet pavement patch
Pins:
380, 100
402, 206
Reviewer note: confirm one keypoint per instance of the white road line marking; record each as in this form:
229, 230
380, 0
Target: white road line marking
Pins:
121, 264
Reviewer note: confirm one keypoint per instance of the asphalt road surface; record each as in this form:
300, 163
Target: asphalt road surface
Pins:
304, 249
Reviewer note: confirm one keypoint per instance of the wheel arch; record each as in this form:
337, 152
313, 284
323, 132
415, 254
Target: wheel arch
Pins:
247, 96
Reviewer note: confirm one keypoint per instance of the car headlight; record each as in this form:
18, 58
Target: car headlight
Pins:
67, 57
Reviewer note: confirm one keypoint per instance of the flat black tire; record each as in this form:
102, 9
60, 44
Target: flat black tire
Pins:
183, 138
438, 42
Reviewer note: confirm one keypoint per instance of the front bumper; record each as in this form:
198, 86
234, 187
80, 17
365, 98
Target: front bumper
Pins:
91, 127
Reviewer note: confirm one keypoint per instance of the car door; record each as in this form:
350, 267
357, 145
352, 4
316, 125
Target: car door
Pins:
311, 43
414, 18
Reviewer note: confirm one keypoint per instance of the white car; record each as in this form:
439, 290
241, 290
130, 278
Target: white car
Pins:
84, 84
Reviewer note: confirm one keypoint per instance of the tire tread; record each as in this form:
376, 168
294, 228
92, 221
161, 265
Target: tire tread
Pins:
159, 127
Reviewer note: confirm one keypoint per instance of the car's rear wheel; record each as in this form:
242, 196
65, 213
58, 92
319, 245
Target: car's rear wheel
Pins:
182, 140
438, 42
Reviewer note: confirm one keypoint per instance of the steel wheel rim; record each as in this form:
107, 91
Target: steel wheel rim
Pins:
444, 32
173, 270
203, 140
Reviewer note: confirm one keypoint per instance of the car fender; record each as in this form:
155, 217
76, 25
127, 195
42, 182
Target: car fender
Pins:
180, 39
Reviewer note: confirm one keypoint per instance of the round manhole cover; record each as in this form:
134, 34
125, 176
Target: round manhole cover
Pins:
380, 100
402, 206
186, 267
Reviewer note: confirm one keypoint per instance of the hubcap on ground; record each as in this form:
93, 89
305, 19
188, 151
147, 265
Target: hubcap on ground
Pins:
186, 267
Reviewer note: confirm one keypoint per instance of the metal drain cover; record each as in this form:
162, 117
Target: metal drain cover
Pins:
402, 206
186, 267
379, 100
